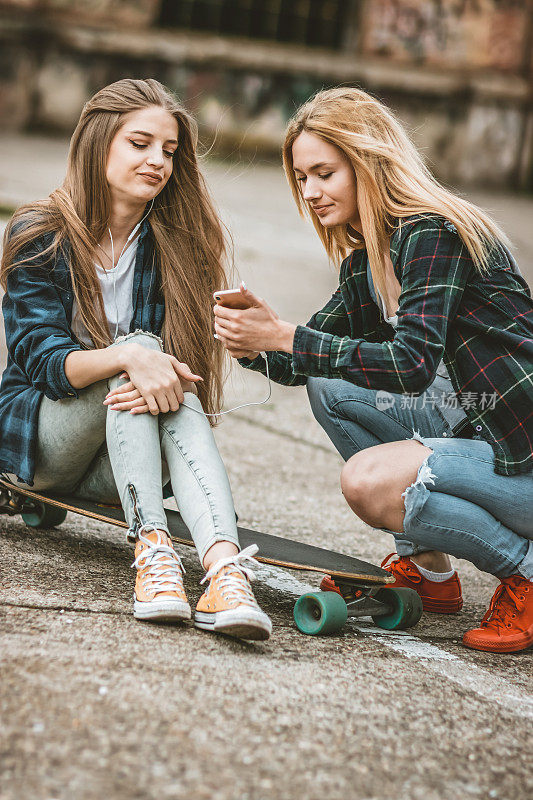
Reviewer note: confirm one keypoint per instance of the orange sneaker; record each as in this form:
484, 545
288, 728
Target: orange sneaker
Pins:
441, 597
228, 604
159, 593
507, 627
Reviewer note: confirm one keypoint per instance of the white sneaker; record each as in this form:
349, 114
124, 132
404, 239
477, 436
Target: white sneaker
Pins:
159, 592
228, 604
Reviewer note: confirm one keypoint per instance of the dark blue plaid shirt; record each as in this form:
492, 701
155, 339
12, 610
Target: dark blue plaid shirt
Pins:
480, 325
37, 310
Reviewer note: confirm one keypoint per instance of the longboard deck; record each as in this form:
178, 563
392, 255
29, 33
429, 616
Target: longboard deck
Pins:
274, 550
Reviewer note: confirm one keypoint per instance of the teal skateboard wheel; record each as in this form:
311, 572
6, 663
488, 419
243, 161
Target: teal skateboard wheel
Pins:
406, 609
319, 613
44, 516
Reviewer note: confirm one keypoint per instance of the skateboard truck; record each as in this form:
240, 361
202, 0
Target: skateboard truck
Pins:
11, 503
360, 601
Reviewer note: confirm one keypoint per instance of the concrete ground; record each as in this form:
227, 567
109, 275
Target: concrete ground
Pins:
96, 704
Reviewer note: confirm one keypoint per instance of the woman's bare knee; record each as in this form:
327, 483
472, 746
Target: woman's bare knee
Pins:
365, 483
359, 485
350, 479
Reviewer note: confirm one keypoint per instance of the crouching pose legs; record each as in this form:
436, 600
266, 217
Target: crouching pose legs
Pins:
435, 493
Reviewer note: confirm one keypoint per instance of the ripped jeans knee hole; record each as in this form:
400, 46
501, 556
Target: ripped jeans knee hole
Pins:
416, 495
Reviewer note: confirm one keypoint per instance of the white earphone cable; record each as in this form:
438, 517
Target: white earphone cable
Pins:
244, 405
128, 240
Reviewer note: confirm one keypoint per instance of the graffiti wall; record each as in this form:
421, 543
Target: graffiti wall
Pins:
453, 33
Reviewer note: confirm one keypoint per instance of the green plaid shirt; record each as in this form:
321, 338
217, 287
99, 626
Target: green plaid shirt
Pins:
480, 325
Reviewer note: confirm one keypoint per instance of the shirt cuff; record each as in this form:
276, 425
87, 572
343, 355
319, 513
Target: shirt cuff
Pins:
59, 383
256, 362
311, 352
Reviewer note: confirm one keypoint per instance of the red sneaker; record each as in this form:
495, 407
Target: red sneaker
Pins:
507, 627
327, 584
443, 597
350, 593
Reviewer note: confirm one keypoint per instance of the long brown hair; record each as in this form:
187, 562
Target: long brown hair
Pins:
189, 240
392, 180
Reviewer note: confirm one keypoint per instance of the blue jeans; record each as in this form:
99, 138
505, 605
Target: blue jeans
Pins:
87, 450
457, 504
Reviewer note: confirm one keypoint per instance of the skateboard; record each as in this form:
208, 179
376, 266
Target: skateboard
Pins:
362, 587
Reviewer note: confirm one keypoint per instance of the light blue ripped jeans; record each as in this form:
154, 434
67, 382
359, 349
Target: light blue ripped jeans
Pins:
89, 451
457, 504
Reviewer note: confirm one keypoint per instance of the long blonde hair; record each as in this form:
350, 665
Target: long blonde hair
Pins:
392, 180
189, 241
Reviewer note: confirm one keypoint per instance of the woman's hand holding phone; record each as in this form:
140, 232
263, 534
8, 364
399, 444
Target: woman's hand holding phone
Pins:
155, 382
233, 298
245, 332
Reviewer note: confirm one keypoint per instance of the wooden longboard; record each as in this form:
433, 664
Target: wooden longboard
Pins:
273, 550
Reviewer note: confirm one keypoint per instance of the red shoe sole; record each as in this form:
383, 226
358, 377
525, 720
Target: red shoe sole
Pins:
447, 607
500, 647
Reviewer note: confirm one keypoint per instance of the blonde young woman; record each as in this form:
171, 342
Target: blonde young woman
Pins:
111, 356
419, 368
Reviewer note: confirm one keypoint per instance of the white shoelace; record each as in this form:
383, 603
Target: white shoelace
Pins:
236, 586
165, 565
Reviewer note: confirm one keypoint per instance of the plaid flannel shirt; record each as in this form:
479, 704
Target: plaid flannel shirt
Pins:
37, 311
481, 325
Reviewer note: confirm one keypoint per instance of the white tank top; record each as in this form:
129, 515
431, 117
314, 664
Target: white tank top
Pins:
117, 289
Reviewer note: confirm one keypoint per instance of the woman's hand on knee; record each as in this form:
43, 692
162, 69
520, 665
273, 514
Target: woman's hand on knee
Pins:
126, 398
155, 382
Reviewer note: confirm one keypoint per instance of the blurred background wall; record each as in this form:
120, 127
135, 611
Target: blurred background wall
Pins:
458, 72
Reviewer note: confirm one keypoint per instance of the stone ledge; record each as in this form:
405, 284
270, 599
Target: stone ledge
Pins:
173, 47
279, 58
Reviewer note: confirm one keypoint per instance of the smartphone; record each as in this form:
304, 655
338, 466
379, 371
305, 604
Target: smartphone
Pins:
232, 298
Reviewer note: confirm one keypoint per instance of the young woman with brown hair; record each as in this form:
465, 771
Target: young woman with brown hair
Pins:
430, 310
112, 363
